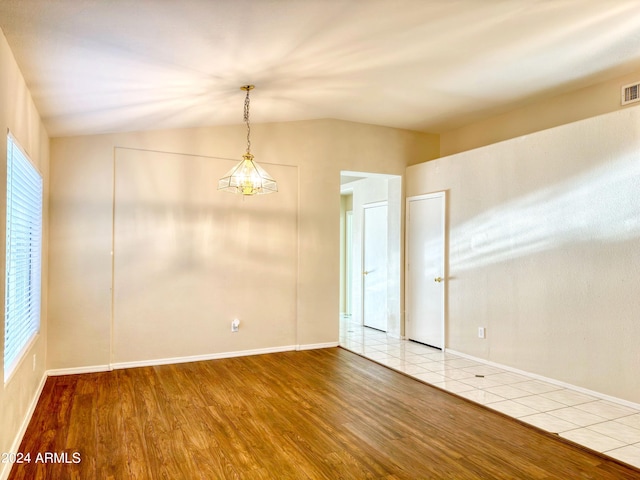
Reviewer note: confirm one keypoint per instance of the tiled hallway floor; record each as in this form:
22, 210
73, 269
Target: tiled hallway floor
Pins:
604, 426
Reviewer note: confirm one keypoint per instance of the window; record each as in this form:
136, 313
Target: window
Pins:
23, 261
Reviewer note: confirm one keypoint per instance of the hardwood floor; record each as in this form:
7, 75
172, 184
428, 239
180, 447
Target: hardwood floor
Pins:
319, 414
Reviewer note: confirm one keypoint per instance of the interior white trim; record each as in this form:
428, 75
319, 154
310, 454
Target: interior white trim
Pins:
314, 346
553, 381
354, 173
191, 358
200, 358
445, 261
78, 370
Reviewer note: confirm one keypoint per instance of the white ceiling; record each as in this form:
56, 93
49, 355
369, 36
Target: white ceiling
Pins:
97, 66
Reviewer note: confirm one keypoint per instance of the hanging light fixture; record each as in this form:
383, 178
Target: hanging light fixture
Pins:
247, 177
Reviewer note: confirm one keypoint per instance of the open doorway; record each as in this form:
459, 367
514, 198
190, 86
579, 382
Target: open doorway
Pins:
370, 253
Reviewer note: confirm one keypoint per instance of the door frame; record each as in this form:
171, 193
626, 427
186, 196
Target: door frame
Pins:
357, 183
445, 273
383, 203
348, 261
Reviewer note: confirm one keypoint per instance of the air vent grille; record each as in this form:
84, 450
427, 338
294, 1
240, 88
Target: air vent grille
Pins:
631, 93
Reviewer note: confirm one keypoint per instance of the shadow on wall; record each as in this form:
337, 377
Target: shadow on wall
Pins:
602, 205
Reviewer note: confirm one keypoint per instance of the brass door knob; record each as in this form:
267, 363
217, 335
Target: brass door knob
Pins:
437, 279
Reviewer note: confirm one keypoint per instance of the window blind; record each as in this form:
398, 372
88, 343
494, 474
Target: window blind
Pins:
23, 256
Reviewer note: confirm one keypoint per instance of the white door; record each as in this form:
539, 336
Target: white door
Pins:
425, 286
348, 262
374, 274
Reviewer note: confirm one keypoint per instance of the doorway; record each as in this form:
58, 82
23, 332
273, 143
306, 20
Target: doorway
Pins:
425, 269
366, 192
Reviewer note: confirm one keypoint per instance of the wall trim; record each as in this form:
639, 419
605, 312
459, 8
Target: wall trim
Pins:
190, 358
314, 346
200, 358
78, 370
553, 381
6, 468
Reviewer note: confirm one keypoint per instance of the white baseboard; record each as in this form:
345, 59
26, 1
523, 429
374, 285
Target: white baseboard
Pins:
6, 468
78, 370
552, 381
190, 358
314, 346
200, 358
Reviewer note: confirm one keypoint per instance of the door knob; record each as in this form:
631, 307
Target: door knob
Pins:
437, 279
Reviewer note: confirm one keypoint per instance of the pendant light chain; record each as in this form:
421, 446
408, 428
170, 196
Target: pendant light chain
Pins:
246, 120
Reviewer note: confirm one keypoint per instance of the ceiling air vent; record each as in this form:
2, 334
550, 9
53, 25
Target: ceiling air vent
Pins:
631, 93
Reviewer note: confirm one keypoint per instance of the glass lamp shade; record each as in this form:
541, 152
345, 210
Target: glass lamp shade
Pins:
247, 178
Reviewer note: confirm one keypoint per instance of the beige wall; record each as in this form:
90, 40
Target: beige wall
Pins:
544, 251
82, 225
18, 114
189, 259
585, 103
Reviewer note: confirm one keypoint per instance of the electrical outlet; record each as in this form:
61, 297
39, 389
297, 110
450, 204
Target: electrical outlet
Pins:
235, 325
482, 333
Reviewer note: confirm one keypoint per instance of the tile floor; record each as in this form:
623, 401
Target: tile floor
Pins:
601, 425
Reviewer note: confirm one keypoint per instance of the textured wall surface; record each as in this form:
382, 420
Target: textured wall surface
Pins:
545, 251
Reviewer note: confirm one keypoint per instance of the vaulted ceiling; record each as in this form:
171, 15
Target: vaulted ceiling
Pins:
96, 66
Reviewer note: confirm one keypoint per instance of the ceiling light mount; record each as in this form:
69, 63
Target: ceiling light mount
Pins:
247, 177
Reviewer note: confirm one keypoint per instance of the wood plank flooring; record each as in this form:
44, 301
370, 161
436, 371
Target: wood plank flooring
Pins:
319, 414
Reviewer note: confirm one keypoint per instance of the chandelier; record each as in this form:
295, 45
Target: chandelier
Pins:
247, 177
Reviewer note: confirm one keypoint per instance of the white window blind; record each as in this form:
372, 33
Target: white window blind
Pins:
23, 263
